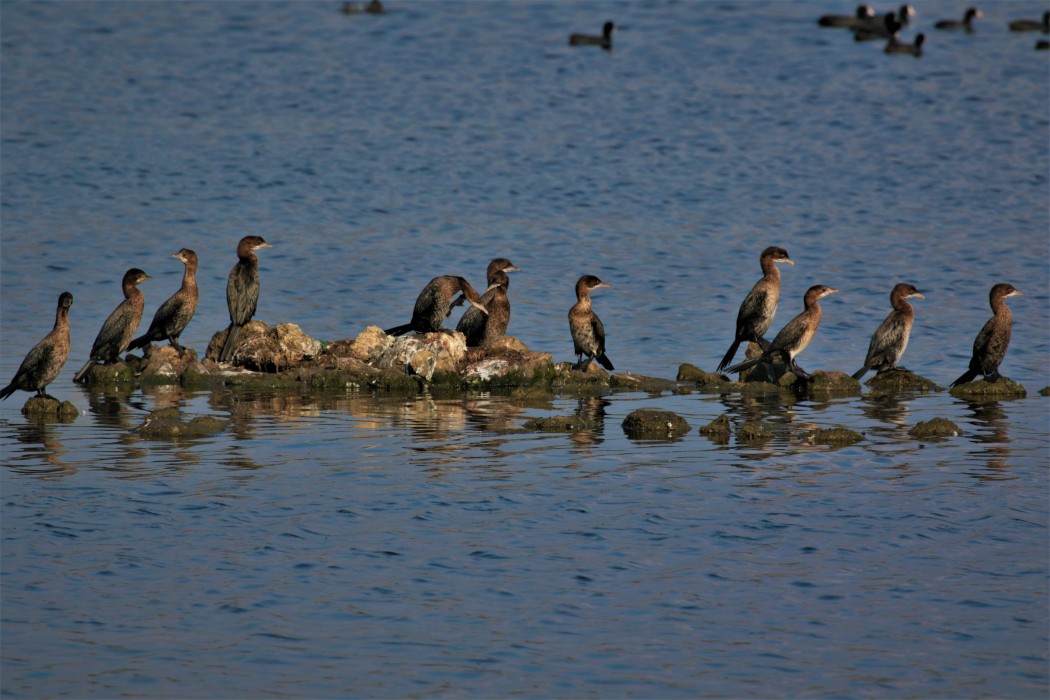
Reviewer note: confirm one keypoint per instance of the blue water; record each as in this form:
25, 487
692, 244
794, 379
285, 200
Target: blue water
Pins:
344, 544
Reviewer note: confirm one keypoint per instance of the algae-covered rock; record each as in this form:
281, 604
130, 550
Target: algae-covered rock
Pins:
897, 380
112, 373
647, 423
837, 383
754, 431
638, 382
1002, 388
704, 380
560, 424
1045, 391
935, 427
835, 436
591, 380
718, 430
264, 349
42, 407
171, 424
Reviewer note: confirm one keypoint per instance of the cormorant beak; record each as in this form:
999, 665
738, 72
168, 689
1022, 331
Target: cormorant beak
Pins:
262, 245
508, 268
830, 291
1016, 293
789, 261
917, 295
479, 307
602, 284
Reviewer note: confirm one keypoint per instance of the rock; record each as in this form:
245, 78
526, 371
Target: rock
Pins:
509, 343
637, 382
935, 427
424, 354
770, 372
560, 424
370, 344
171, 424
899, 380
718, 430
754, 431
837, 383
702, 379
1003, 388
264, 349
162, 364
113, 373
1045, 391
835, 436
651, 424
48, 407
507, 362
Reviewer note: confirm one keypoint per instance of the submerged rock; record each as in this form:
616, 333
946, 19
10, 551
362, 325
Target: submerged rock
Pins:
935, 427
983, 389
1045, 391
835, 436
264, 349
755, 431
711, 381
49, 407
561, 424
112, 373
638, 382
718, 430
900, 380
170, 424
647, 423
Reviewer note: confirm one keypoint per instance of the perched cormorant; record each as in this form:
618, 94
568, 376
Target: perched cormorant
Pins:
885, 28
433, 304
120, 327
966, 23
1031, 25
891, 337
604, 41
588, 333
46, 359
795, 336
174, 314
482, 329
242, 290
896, 47
760, 305
860, 17
989, 348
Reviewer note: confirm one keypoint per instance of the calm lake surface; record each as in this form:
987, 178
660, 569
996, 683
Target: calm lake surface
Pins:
349, 544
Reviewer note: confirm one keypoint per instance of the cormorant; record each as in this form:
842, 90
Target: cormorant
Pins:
760, 305
481, 329
966, 23
604, 41
242, 290
174, 314
891, 337
989, 348
588, 333
118, 330
795, 336
433, 304
43, 363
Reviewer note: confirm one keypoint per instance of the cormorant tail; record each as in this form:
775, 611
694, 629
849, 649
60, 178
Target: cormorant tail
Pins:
746, 364
399, 330
967, 376
729, 355
83, 370
860, 372
140, 342
604, 362
7, 391
231, 338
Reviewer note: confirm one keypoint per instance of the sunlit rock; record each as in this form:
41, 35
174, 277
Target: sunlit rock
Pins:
935, 427
264, 349
424, 354
704, 380
834, 436
171, 424
983, 389
900, 380
40, 407
651, 424
754, 431
718, 430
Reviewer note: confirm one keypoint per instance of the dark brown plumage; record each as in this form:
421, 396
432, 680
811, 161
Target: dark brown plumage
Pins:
118, 330
795, 336
884, 27
242, 290
604, 41
433, 304
481, 330
859, 18
588, 333
174, 314
966, 23
43, 363
760, 305
893, 46
989, 348
891, 337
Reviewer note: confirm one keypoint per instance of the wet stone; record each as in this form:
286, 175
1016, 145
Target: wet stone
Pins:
1045, 391
755, 431
560, 424
833, 382
935, 427
647, 423
835, 436
704, 380
900, 380
718, 430
172, 424
264, 349
48, 407
983, 389
113, 373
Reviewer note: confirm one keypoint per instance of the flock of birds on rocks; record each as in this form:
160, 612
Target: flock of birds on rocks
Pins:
866, 25
488, 316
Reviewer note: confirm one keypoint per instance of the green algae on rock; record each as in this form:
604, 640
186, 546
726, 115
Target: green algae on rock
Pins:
706, 381
755, 431
718, 430
560, 424
113, 373
1045, 391
832, 383
835, 436
42, 407
652, 424
982, 389
934, 428
897, 380
171, 424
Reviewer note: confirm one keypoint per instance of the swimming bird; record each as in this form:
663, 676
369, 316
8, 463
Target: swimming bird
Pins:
119, 328
604, 41
966, 23
760, 305
891, 337
1032, 25
862, 15
893, 46
588, 333
174, 314
887, 28
989, 348
433, 304
43, 363
794, 337
242, 290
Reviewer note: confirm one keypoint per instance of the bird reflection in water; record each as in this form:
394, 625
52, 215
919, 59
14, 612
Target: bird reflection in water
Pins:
591, 409
991, 421
46, 435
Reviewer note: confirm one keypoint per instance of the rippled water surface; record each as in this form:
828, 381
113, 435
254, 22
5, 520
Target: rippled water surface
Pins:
342, 543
